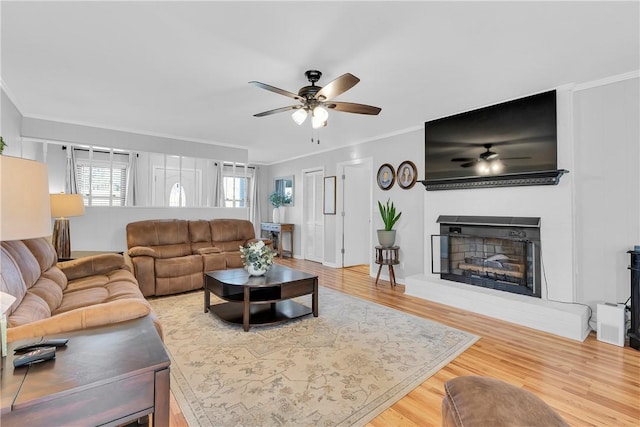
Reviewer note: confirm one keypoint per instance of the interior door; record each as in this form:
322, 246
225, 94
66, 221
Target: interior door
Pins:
356, 206
313, 219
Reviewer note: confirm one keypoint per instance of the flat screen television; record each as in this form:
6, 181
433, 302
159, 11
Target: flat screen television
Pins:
507, 144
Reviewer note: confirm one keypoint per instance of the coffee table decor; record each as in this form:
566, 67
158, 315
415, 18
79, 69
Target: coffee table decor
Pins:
342, 368
257, 258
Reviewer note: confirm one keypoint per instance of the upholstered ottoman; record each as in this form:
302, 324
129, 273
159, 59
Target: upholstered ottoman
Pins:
479, 401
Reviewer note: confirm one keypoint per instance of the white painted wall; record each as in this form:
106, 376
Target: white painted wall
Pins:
104, 228
607, 177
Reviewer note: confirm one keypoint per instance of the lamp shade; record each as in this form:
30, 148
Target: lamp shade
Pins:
66, 205
24, 199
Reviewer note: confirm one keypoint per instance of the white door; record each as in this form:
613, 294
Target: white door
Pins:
356, 207
313, 220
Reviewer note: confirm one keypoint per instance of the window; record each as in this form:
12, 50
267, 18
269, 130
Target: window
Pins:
177, 197
102, 183
235, 191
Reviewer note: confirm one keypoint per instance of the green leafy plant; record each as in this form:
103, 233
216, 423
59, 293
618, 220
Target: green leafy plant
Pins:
278, 199
388, 213
2, 145
257, 255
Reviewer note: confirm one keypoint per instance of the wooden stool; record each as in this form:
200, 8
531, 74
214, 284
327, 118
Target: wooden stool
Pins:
387, 256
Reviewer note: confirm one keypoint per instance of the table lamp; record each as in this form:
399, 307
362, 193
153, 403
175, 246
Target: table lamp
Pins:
24, 213
62, 207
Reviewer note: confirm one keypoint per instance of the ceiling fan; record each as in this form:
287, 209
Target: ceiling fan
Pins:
315, 100
484, 157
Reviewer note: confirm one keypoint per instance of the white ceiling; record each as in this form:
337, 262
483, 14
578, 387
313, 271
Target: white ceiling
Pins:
181, 69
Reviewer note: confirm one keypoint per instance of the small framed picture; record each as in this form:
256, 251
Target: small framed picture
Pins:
407, 174
329, 205
386, 176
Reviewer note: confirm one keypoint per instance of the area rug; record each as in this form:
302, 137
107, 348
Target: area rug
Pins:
342, 368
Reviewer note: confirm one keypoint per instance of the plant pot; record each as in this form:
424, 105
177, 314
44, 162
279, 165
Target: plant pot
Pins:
276, 215
386, 238
255, 272
282, 214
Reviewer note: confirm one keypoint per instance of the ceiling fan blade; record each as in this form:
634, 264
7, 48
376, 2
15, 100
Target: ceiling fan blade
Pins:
515, 158
337, 87
468, 165
462, 159
277, 90
278, 110
349, 107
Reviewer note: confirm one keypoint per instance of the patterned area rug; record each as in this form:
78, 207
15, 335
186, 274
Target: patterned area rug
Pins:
342, 368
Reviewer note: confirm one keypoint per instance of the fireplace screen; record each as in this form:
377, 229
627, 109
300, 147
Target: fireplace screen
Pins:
491, 256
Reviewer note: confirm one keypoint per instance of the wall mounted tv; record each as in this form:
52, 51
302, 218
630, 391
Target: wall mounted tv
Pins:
509, 144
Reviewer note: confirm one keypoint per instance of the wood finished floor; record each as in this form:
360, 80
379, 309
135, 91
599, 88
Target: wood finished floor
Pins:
588, 383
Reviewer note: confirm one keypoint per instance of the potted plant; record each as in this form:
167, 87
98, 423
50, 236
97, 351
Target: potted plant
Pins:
278, 199
2, 145
387, 236
256, 257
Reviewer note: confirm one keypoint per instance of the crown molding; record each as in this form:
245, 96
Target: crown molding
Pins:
607, 80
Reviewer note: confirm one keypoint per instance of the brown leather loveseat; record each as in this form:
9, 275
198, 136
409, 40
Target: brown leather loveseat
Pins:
53, 298
170, 256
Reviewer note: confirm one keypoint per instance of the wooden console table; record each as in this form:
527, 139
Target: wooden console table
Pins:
275, 231
111, 375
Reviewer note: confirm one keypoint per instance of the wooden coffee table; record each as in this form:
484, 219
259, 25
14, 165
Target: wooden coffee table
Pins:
260, 300
110, 375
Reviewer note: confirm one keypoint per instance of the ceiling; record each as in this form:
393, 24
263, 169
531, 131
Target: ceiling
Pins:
181, 69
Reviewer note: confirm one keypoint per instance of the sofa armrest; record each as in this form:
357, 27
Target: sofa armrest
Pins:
92, 265
143, 251
83, 318
210, 250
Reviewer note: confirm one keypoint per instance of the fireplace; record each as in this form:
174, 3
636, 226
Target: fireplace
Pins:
500, 253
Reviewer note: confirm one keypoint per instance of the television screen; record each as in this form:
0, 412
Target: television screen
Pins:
514, 137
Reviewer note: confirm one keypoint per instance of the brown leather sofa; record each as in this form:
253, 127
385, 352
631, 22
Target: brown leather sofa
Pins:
53, 298
171, 256
474, 401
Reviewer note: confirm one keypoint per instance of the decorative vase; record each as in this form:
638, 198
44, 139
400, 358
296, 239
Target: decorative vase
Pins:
276, 215
386, 238
255, 272
282, 214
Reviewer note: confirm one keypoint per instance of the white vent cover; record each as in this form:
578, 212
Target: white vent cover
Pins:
611, 323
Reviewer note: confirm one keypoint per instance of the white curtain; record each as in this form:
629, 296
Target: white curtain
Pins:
218, 186
132, 198
254, 205
71, 185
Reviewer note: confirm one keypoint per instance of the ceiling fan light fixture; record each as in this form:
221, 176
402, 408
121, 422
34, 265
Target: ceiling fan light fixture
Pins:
316, 123
300, 115
320, 113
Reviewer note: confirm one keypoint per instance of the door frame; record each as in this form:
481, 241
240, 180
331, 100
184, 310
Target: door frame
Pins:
305, 201
368, 161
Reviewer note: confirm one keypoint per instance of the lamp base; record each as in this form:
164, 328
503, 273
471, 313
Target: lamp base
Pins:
60, 239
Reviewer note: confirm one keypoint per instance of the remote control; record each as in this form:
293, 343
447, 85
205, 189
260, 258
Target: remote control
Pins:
35, 356
53, 342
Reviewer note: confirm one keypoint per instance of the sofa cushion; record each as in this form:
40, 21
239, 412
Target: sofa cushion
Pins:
43, 251
49, 291
32, 308
157, 233
24, 260
231, 230
12, 282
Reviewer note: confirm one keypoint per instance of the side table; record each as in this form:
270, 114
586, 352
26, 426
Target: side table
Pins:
275, 231
387, 256
110, 375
